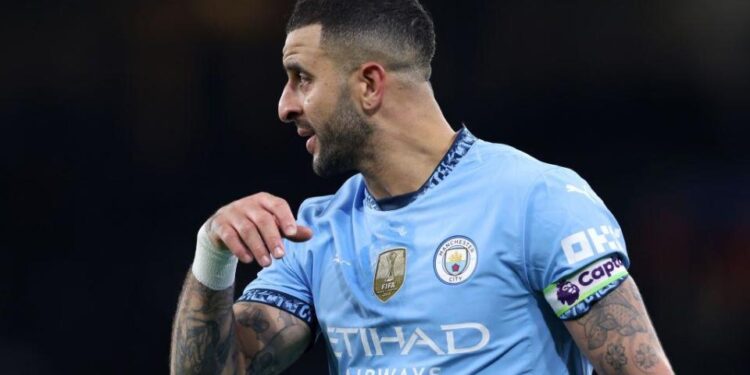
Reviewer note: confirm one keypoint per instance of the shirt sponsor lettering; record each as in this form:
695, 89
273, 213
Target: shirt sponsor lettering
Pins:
351, 341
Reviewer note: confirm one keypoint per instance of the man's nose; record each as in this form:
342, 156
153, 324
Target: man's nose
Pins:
289, 105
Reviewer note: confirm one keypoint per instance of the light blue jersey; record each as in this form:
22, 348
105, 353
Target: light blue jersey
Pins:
469, 275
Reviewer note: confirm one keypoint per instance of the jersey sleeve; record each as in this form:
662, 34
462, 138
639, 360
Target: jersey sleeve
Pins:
573, 246
284, 284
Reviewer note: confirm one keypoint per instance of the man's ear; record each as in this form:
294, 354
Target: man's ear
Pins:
371, 83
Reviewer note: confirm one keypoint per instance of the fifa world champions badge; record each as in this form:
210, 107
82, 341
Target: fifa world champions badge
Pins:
389, 273
455, 260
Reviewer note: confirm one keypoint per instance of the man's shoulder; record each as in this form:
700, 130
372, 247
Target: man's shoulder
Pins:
510, 167
316, 207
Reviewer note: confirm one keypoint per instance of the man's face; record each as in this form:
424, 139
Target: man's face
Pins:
318, 100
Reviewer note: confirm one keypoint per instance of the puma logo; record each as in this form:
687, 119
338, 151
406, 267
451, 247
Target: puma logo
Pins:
338, 259
589, 194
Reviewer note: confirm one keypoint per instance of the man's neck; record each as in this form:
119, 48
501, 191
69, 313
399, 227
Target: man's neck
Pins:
405, 156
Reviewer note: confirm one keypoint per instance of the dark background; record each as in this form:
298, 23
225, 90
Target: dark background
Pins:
126, 124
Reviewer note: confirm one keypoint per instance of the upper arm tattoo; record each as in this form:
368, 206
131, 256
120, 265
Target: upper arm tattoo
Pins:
271, 338
617, 335
614, 315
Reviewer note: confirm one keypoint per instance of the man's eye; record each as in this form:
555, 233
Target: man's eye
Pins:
303, 78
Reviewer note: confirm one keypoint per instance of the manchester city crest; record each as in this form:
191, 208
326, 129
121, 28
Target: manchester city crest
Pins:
455, 260
389, 273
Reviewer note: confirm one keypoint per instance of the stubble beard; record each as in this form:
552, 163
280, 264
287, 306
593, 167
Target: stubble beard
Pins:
344, 141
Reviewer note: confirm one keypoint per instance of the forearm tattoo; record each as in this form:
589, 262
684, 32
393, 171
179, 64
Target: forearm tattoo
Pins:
619, 336
203, 337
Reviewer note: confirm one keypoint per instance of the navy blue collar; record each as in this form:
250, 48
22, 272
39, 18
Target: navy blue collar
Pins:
461, 145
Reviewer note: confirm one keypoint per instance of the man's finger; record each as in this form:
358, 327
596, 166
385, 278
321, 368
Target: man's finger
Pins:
280, 209
302, 234
250, 236
231, 240
269, 231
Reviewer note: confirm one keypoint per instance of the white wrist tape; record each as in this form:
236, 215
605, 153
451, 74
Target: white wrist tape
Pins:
213, 266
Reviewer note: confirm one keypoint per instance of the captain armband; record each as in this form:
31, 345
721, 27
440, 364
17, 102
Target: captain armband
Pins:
574, 294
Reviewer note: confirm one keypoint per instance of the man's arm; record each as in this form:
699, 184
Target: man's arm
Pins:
617, 336
270, 339
203, 335
210, 336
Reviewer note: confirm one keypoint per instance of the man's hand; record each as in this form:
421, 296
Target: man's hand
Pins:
252, 228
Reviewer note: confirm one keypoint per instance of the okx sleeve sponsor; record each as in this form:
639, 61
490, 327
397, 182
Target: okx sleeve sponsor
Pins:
573, 246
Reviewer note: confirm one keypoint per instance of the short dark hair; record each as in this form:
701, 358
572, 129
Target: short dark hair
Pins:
398, 33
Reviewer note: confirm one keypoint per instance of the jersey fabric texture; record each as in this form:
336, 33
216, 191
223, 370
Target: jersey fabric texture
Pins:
452, 278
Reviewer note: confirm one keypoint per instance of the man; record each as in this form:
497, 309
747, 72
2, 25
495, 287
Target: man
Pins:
445, 254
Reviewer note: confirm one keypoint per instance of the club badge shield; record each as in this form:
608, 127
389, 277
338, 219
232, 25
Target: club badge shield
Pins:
456, 260
389, 273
